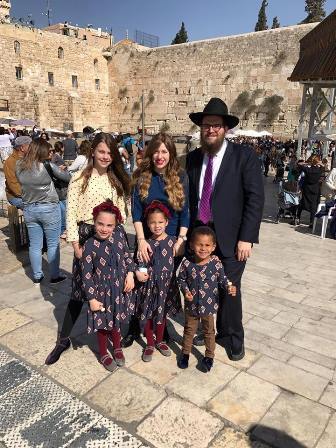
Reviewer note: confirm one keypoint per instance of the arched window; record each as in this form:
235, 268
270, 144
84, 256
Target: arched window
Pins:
60, 53
17, 47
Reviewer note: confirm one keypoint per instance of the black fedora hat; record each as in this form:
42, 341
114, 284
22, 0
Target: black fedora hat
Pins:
215, 106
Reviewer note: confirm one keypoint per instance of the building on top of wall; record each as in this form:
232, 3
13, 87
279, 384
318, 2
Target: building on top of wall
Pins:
93, 36
5, 7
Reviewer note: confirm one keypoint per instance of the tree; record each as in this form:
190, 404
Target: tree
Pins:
276, 23
315, 10
181, 37
262, 18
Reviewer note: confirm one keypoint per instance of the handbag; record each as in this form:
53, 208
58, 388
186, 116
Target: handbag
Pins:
85, 231
61, 186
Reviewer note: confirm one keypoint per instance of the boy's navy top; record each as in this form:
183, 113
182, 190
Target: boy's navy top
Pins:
157, 192
203, 281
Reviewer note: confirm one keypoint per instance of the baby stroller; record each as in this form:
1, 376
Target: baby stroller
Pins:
288, 201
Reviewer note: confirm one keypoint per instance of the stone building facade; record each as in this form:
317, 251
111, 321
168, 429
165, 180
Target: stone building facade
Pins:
59, 82
67, 82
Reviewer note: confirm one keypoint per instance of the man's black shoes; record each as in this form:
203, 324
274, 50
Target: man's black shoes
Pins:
236, 354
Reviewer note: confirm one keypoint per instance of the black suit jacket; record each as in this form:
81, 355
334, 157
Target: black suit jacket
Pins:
237, 199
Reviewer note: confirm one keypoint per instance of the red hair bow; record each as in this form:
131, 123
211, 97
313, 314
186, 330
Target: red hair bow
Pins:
157, 205
107, 206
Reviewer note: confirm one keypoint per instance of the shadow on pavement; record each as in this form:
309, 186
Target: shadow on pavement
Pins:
276, 438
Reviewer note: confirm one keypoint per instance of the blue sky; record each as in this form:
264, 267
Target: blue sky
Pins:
203, 18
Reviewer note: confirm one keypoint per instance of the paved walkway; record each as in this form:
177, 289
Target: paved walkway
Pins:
282, 394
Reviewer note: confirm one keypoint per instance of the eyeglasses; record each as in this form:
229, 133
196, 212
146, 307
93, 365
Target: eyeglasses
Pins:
215, 127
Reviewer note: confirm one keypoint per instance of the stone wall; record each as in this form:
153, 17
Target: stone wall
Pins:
248, 71
59, 106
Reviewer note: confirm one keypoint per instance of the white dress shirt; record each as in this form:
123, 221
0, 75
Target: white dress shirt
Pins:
217, 161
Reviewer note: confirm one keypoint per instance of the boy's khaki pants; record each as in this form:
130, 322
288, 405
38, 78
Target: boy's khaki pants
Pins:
190, 328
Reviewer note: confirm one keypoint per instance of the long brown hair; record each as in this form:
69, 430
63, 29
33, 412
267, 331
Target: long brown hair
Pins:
38, 151
116, 173
142, 177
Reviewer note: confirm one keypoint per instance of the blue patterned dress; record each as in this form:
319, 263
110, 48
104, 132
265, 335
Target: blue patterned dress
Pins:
203, 281
159, 296
105, 264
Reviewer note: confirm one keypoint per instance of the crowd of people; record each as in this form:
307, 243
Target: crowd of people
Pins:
195, 229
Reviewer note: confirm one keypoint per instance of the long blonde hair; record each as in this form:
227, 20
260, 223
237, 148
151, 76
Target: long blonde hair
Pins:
38, 151
142, 177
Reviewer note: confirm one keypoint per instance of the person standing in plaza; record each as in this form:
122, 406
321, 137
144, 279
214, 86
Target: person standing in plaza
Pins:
41, 209
13, 186
6, 147
226, 192
160, 178
70, 148
103, 178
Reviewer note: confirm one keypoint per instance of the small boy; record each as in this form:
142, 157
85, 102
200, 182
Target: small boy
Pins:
199, 280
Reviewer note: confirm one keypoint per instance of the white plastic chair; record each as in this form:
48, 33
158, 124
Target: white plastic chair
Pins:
325, 219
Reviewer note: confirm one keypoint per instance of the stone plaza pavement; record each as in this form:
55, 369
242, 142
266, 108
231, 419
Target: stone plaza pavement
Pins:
282, 394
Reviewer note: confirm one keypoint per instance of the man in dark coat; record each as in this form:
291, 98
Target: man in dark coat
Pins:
226, 193
70, 147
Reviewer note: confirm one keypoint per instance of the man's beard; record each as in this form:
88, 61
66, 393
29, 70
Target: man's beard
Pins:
213, 147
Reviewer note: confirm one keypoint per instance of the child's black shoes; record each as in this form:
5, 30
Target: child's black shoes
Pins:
183, 362
206, 364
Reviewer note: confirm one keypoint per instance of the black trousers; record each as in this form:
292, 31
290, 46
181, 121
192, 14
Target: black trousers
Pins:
72, 313
229, 316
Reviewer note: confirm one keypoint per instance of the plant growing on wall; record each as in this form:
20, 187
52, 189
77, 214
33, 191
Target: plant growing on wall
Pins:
136, 106
150, 98
271, 107
165, 127
122, 92
241, 103
280, 58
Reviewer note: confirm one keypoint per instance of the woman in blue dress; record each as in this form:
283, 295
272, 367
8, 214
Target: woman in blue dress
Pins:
159, 177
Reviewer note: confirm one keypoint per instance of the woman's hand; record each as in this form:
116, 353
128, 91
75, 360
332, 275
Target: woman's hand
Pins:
95, 305
178, 249
232, 290
144, 251
78, 250
188, 296
129, 282
141, 276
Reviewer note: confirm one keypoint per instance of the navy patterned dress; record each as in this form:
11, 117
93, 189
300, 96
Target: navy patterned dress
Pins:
159, 296
104, 266
203, 281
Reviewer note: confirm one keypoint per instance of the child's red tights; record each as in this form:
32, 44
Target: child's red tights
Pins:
103, 336
150, 334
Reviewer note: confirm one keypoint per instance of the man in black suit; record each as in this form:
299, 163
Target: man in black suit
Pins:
233, 207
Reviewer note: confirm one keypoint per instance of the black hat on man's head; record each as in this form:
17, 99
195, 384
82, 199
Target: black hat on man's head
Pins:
215, 106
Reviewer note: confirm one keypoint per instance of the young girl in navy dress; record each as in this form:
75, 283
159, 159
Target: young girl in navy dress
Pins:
158, 296
199, 280
108, 279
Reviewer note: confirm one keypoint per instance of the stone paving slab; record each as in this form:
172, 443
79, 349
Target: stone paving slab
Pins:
245, 400
198, 387
311, 342
126, 397
293, 422
289, 377
311, 367
267, 327
231, 438
177, 423
329, 396
11, 319
32, 342
329, 436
